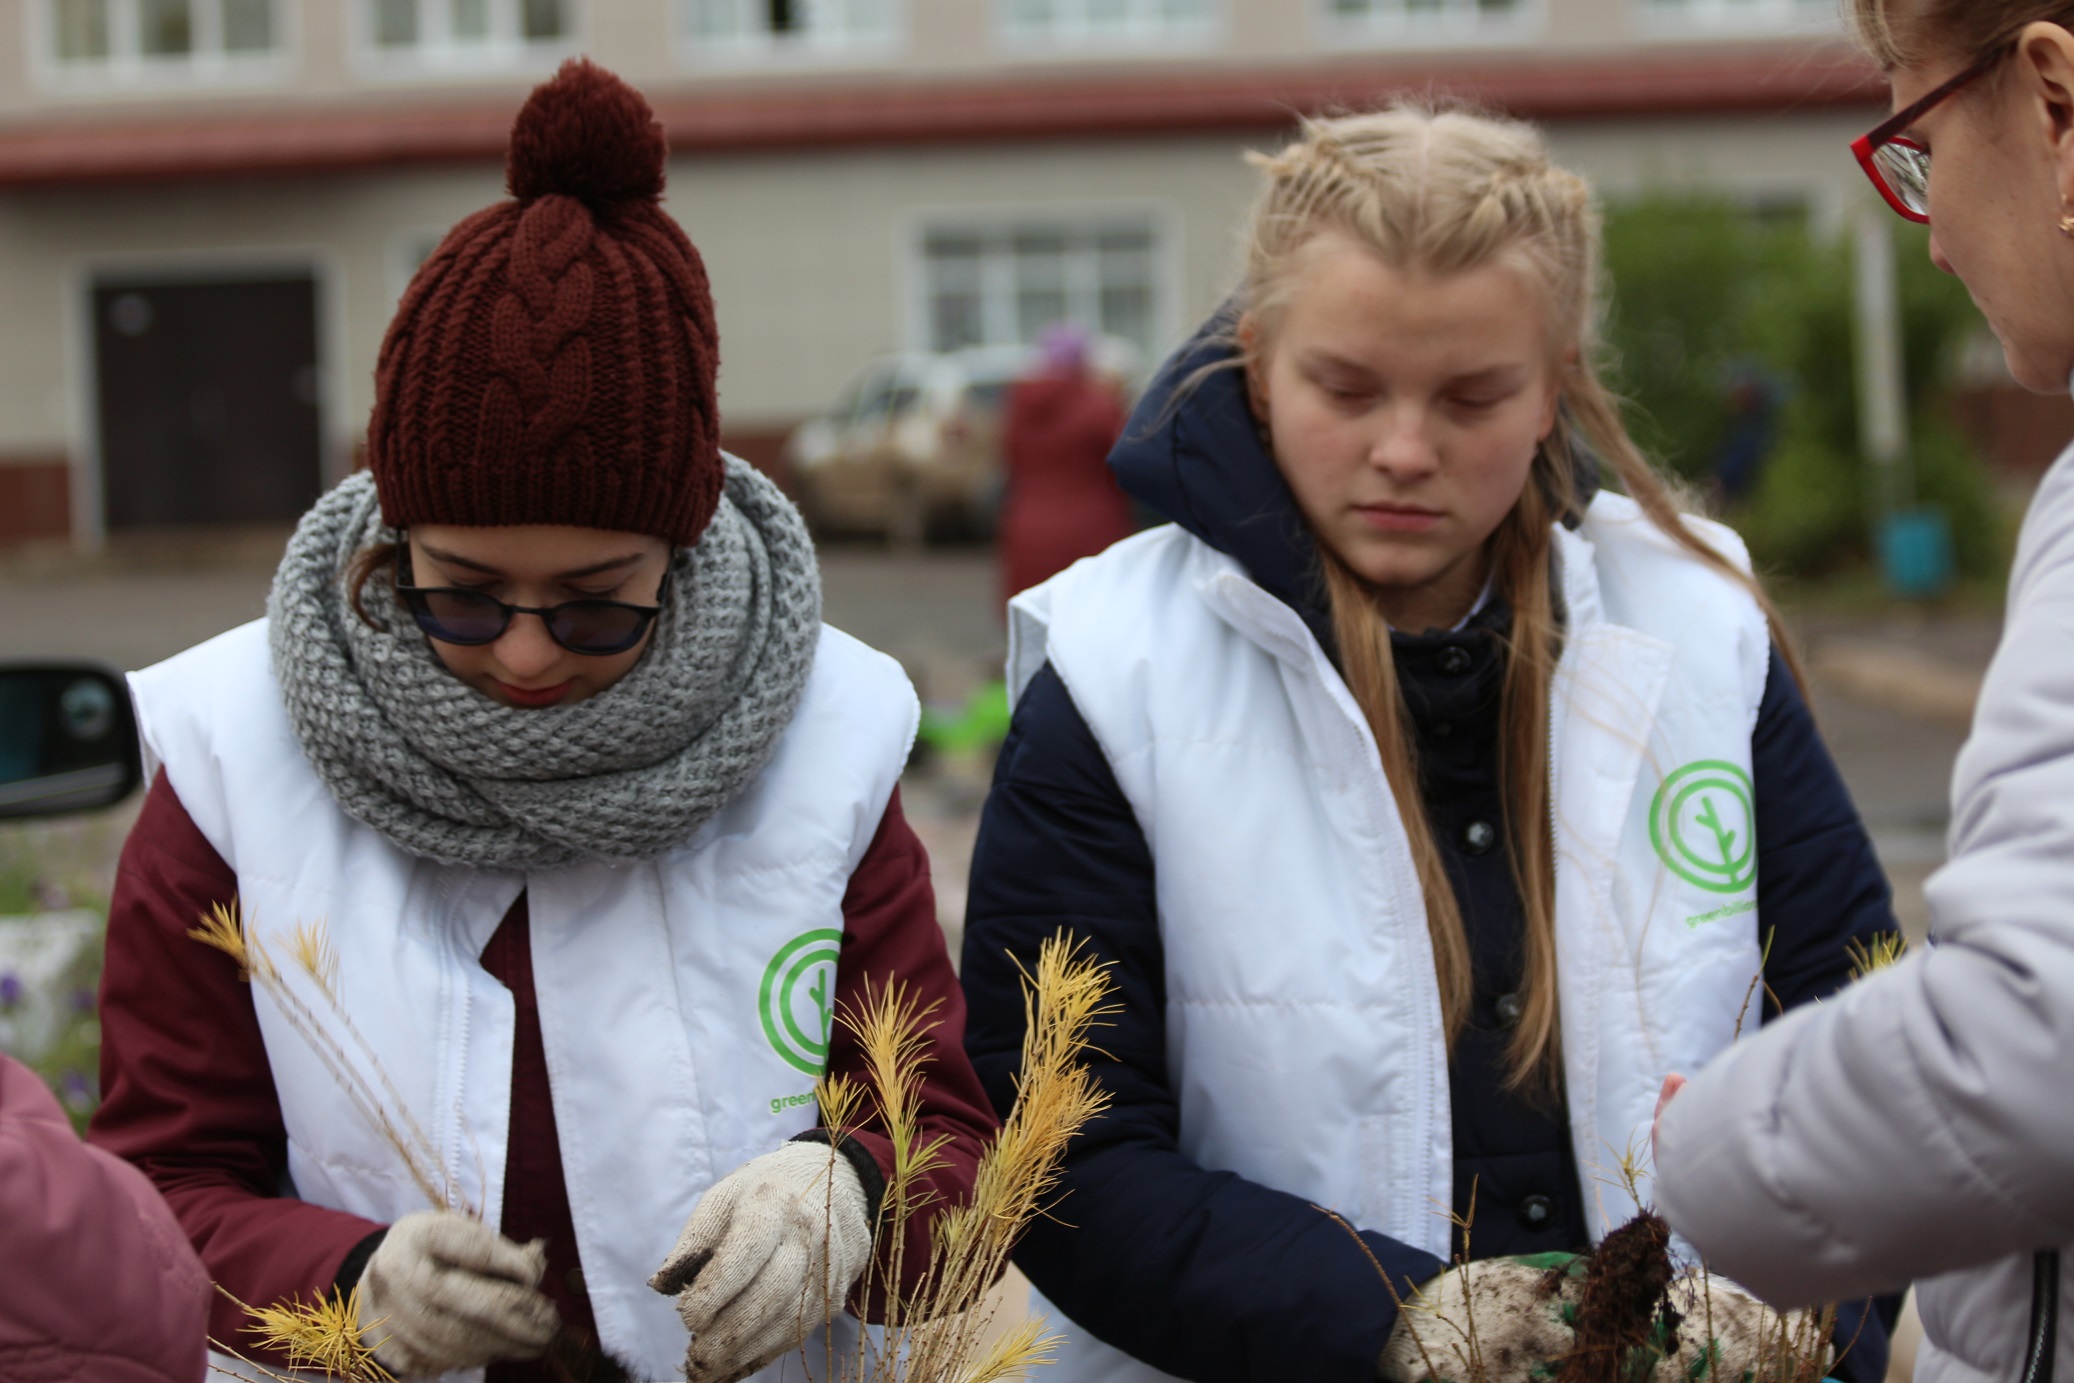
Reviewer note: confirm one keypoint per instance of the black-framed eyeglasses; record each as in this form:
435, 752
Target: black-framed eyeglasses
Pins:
1898, 166
593, 628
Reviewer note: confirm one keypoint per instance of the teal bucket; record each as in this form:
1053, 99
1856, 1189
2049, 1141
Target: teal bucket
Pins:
1916, 553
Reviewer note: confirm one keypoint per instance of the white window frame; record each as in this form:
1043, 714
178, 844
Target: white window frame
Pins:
1458, 24
128, 68
1734, 19
1144, 31
760, 47
437, 56
1004, 221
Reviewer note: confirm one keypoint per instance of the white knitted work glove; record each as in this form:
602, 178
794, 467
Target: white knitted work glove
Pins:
444, 1291
768, 1255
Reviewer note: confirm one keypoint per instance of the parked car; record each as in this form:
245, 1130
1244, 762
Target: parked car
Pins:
912, 447
68, 739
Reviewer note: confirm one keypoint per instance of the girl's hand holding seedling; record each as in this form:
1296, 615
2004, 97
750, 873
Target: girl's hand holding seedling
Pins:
445, 1291
769, 1254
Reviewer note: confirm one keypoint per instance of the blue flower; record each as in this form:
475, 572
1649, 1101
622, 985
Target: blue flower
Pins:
10, 989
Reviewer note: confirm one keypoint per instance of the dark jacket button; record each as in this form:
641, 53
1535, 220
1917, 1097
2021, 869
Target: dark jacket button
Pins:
1454, 661
1536, 1212
1478, 837
1510, 1007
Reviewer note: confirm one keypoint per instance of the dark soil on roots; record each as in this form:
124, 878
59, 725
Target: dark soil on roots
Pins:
1625, 1305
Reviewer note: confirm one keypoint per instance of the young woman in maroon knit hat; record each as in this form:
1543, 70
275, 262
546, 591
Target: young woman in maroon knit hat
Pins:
602, 822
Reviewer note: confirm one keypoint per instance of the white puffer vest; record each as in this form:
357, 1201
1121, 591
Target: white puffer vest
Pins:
682, 1002
1303, 1017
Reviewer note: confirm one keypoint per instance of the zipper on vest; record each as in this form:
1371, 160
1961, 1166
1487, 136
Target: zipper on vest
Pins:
1553, 863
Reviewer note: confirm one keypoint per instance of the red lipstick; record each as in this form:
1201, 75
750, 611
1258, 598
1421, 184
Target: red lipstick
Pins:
533, 698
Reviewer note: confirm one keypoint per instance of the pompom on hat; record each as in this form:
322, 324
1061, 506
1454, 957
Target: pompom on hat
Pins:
553, 361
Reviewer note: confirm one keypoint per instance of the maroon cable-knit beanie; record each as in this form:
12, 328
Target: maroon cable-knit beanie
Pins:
553, 362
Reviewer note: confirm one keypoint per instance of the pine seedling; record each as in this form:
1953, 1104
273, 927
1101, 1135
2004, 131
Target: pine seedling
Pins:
936, 1328
1869, 958
325, 1335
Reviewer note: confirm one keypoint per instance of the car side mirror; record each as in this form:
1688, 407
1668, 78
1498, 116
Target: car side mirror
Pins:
68, 739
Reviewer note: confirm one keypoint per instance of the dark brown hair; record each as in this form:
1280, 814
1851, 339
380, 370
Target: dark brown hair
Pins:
366, 562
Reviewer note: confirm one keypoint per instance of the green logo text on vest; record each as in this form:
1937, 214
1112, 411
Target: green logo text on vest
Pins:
797, 999
1703, 826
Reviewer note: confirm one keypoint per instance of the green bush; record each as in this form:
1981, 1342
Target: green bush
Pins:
1702, 288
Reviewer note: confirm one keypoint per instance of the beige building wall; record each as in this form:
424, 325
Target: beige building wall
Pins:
813, 254
324, 60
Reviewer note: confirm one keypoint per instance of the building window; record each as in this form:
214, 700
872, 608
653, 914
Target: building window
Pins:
444, 34
1448, 20
760, 28
988, 285
149, 38
1738, 16
1074, 23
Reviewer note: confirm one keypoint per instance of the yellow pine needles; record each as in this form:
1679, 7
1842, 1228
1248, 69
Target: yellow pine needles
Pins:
351, 1062
1869, 959
325, 1336
939, 1331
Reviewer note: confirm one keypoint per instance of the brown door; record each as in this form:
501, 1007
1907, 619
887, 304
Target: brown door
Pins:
208, 400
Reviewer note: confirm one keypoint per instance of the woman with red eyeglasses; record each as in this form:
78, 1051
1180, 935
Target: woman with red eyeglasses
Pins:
1920, 1127
601, 820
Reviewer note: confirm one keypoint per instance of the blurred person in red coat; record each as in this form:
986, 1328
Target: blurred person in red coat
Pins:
96, 1278
1062, 503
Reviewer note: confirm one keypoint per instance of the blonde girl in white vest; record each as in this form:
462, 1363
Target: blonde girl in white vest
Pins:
1433, 784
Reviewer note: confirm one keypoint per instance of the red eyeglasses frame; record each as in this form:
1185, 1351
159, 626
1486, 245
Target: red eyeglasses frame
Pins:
1889, 132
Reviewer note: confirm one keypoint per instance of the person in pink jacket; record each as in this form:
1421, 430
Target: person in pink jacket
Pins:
97, 1281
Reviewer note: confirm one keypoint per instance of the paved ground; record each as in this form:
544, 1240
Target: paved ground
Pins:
937, 613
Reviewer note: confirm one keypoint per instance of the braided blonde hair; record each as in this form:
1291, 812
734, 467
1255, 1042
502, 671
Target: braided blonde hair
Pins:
1437, 193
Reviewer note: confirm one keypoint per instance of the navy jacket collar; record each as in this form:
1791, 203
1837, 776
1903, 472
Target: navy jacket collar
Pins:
1192, 453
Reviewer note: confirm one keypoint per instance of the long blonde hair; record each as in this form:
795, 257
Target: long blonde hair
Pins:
1440, 192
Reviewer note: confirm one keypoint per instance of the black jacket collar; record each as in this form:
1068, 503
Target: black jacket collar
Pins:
1192, 453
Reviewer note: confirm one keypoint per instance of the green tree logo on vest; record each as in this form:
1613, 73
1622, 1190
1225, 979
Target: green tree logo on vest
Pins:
797, 1001
1704, 827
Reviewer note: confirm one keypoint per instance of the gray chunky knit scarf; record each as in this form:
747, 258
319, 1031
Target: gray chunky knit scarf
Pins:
450, 775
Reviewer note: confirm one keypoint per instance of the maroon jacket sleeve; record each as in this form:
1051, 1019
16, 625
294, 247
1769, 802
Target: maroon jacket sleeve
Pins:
187, 1094
890, 932
96, 1279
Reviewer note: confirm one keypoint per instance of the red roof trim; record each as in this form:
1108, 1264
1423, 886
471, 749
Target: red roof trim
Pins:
953, 112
